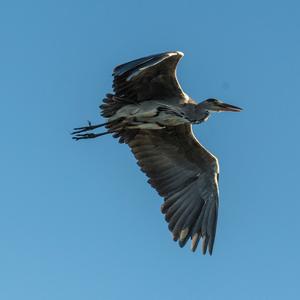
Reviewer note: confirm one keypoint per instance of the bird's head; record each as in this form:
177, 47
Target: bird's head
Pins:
214, 105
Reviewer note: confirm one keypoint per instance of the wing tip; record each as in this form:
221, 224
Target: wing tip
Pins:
174, 53
171, 53
180, 53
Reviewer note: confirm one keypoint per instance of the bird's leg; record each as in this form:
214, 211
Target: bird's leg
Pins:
112, 127
79, 136
88, 128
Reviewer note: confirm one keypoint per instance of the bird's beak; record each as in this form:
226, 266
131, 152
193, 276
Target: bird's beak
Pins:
229, 107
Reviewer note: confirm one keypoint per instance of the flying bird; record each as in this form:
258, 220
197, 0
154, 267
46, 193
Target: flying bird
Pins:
150, 112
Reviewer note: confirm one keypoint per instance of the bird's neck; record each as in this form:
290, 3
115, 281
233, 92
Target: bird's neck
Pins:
202, 112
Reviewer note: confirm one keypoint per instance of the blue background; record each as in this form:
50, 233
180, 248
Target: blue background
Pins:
77, 219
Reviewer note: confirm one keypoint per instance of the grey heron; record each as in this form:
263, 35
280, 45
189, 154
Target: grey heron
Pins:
150, 112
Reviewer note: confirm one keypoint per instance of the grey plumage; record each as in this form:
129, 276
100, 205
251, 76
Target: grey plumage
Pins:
150, 112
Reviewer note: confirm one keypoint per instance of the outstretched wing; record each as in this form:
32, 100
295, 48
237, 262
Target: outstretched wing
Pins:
186, 175
149, 78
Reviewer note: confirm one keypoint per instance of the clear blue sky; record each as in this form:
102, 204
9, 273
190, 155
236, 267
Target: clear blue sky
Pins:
78, 220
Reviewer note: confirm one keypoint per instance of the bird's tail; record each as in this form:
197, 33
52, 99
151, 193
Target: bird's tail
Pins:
112, 103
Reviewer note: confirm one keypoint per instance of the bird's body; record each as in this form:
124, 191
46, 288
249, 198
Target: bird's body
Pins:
157, 114
150, 112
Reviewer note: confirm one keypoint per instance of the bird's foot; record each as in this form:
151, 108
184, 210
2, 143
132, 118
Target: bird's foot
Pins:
79, 136
85, 128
